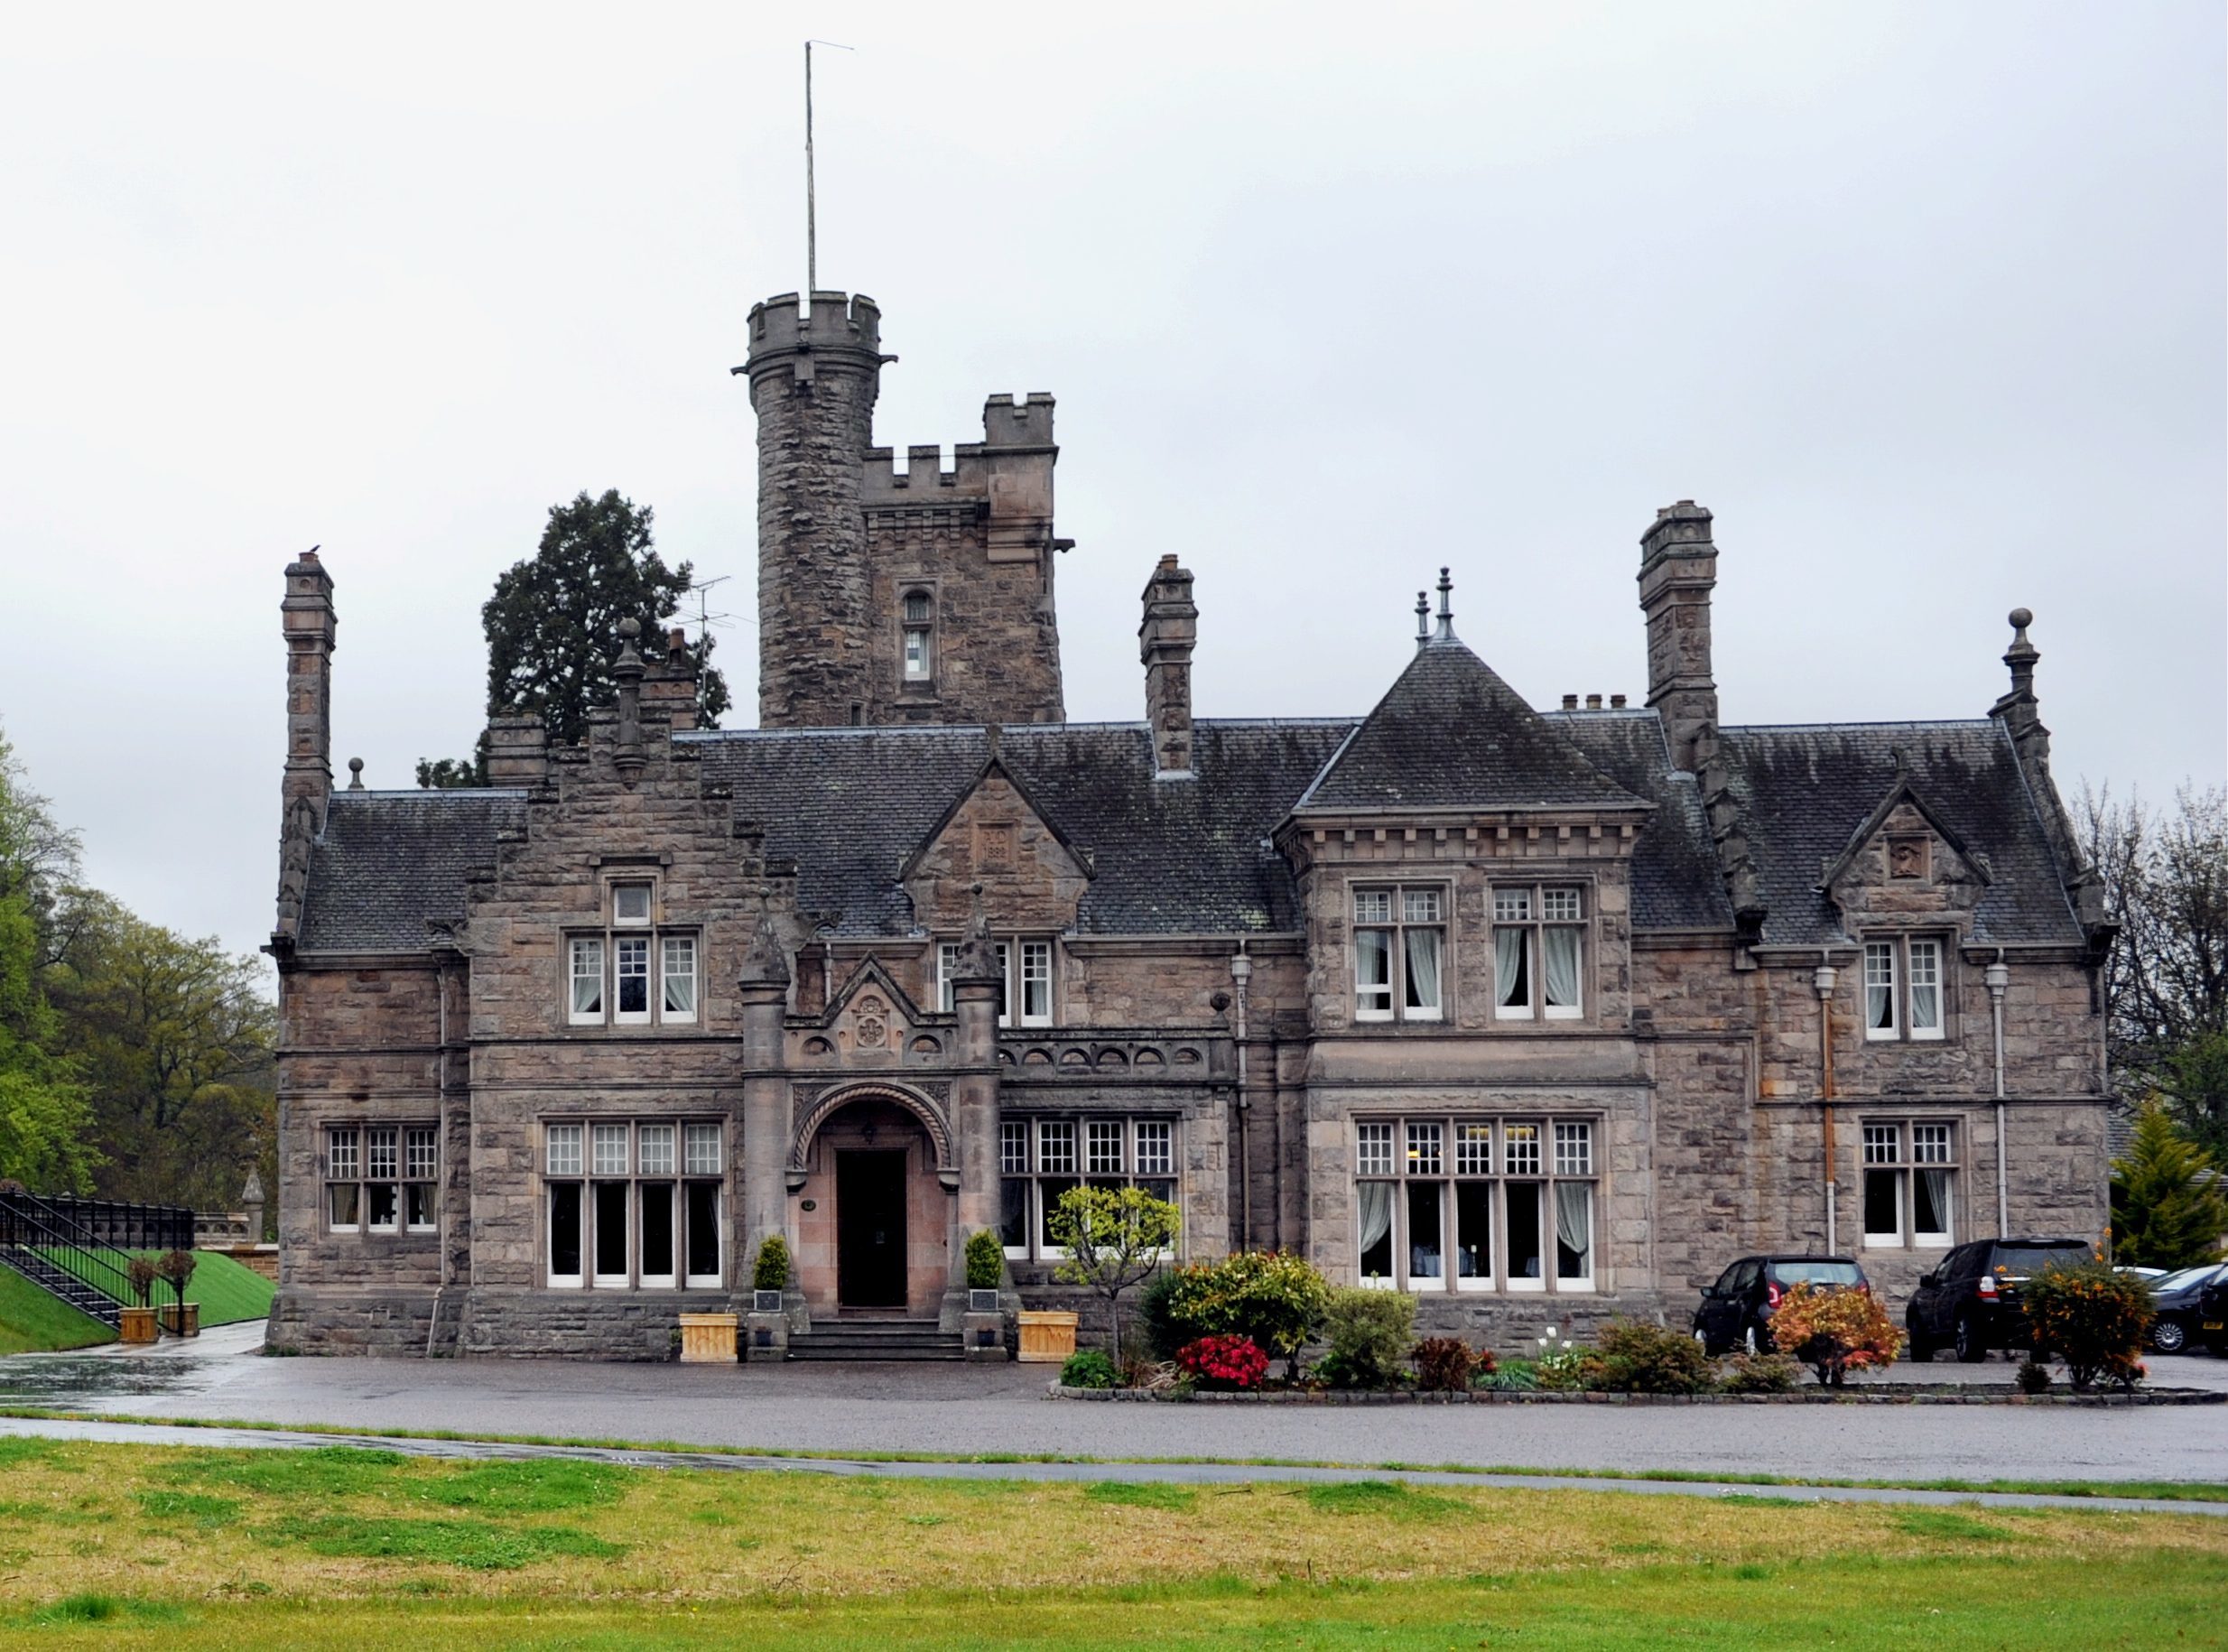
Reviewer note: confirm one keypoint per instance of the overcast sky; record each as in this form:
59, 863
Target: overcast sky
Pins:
1926, 303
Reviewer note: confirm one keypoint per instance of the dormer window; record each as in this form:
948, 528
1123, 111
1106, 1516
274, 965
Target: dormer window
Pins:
920, 643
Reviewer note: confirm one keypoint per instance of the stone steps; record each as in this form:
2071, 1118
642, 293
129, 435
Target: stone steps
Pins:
878, 1339
60, 1282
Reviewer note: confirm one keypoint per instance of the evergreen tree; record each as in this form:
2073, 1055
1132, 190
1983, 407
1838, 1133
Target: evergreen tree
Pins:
552, 625
2167, 1205
45, 1124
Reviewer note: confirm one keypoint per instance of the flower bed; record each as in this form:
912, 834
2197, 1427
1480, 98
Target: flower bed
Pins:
1867, 1394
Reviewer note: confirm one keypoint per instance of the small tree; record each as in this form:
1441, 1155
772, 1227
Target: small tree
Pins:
1114, 1237
2166, 1208
1834, 1331
2093, 1317
142, 1273
177, 1267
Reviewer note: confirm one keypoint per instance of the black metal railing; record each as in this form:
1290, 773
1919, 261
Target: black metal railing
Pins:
120, 1224
28, 1223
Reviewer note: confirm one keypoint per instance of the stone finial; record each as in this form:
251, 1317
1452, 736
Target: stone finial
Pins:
356, 773
627, 672
1447, 608
1423, 618
766, 962
2022, 654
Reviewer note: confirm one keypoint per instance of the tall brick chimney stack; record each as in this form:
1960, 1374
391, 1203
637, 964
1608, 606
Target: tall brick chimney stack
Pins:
813, 380
1678, 570
309, 626
1164, 643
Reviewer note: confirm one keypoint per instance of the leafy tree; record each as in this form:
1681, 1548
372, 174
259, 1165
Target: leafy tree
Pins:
2166, 983
1114, 1237
38, 856
2167, 1206
552, 625
172, 1039
44, 1122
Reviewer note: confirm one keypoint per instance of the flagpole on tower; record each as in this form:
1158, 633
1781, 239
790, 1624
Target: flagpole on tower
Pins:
811, 227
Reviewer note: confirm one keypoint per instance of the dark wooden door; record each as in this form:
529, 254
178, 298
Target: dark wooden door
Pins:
870, 1230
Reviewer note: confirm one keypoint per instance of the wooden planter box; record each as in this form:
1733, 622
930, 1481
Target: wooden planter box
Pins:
708, 1338
137, 1325
192, 1327
1047, 1337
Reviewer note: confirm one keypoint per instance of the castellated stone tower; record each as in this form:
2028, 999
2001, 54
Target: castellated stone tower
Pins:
889, 595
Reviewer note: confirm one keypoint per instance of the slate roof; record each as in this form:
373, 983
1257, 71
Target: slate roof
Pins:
1675, 880
1168, 855
1803, 792
389, 860
1450, 734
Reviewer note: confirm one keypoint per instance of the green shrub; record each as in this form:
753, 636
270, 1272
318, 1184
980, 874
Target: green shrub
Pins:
1562, 1366
2094, 1318
1512, 1376
1761, 1373
771, 1271
1369, 1334
1638, 1358
1445, 1365
985, 1260
1088, 1369
2034, 1377
1272, 1298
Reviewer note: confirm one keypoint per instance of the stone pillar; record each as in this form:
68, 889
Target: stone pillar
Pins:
977, 985
310, 626
1165, 641
764, 989
1678, 571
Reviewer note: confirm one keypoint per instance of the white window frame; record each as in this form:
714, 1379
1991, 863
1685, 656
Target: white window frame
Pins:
668, 946
1449, 1152
593, 966
627, 893
917, 664
1883, 989
654, 1157
584, 961
1024, 960
369, 1160
1097, 1150
640, 948
1902, 1150
1923, 957
420, 1173
1900, 966
1533, 912
1393, 912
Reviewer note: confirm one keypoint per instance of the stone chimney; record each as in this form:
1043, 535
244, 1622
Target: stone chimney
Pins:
517, 750
309, 626
1164, 642
1678, 570
669, 686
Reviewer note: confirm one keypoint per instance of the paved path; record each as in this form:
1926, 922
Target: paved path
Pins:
979, 1409
1194, 1473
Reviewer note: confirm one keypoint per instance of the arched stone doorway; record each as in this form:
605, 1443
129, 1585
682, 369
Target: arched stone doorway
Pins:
873, 1218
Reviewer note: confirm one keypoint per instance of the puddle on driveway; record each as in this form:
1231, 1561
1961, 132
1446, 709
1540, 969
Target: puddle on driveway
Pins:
66, 1379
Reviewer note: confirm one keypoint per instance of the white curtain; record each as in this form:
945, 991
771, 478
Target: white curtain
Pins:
1560, 964
1574, 1225
1934, 1217
1511, 986
1925, 1005
1423, 950
1375, 1199
1373, 969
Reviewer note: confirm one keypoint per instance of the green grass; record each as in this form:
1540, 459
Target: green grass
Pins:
32, 1322
227, 1291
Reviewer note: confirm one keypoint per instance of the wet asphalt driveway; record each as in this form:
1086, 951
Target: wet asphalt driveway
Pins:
988, 1409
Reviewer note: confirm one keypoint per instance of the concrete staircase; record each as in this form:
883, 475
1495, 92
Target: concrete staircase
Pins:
877, 1339
60, 1282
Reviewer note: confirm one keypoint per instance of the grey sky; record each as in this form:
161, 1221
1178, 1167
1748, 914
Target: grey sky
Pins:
1925, 301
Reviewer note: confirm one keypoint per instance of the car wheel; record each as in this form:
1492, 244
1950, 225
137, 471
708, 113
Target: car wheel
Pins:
1921, 1346
1971, 1346
1701, 1340
2170, 1336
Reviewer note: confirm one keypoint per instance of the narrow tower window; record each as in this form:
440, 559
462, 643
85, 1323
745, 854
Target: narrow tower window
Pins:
920, 643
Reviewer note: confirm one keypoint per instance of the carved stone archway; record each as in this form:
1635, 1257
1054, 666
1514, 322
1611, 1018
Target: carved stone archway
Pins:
829, 1103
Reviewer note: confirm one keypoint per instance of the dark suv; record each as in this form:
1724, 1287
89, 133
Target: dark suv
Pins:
1736, 1311
1971, 1304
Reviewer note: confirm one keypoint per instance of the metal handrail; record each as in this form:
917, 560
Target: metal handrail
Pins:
26, 1222
124, 1224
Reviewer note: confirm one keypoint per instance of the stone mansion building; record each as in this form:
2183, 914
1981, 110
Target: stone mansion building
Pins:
1537, 1013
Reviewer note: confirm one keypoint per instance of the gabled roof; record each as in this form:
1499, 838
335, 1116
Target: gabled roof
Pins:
1903, 793
388, 861
870, 973
1450, 734
1803, 792
995, 766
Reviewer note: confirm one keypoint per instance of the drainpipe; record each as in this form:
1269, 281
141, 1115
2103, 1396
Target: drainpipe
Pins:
1823, 979
1997, 976
1241, 972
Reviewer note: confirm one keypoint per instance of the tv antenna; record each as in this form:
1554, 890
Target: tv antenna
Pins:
705, 620
812, 227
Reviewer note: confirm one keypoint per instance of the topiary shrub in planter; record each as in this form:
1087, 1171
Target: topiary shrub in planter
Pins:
770, 1272
985, 1260
2093, 1318
1637, 1357
1835, 1332
1447, 1364
1371, 1333
1760, 1374
1088, 1369
1227, 1362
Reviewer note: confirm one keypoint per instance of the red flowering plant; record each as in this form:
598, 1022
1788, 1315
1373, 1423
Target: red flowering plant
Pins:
1224, 1362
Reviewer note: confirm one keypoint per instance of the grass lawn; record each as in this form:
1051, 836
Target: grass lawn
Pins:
32, 1322
226, 1290
147, 1546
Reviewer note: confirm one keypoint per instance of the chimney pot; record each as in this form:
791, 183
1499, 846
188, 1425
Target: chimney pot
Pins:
1570, 702
1165, 638
1616, 702
1594, 702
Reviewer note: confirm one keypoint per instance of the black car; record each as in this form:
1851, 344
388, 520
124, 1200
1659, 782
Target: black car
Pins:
1736, 1311
2177, 1297
1971, 1304
2212, 1327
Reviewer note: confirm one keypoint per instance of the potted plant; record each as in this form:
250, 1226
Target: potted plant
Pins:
769, 1275
182, 1318
986, 1270
137, 1323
